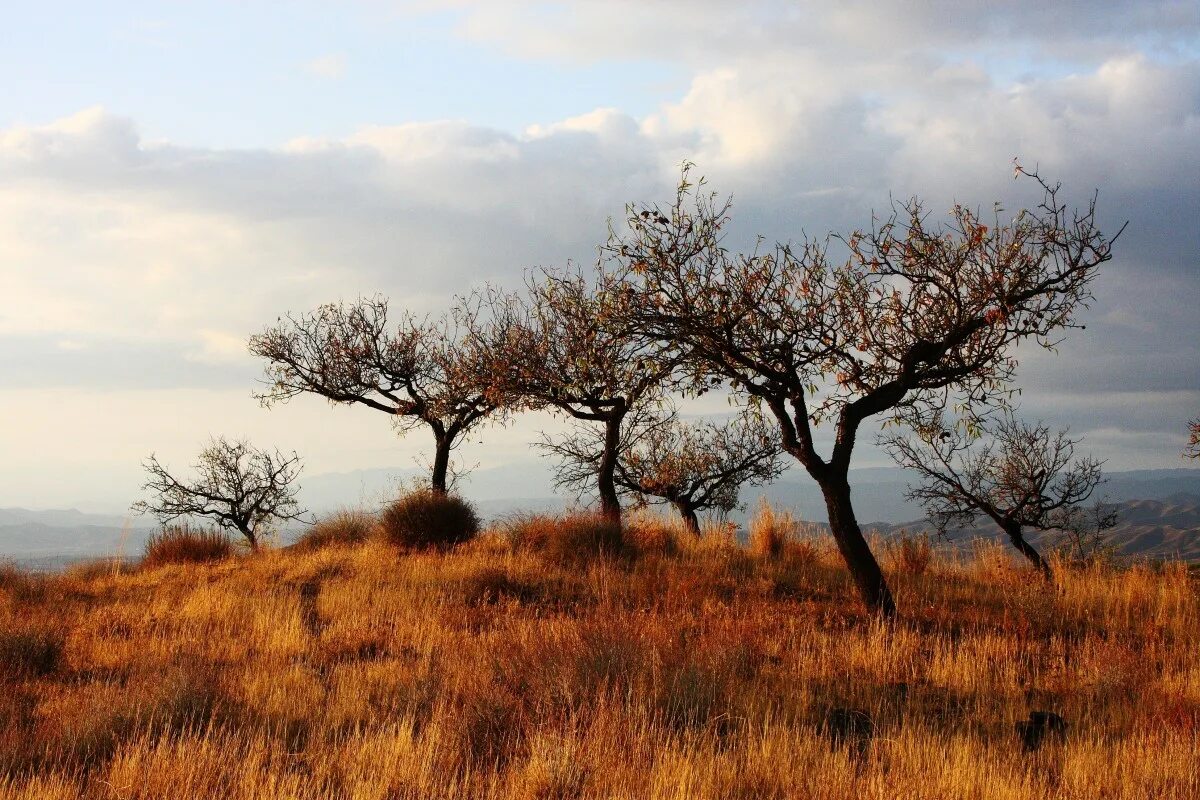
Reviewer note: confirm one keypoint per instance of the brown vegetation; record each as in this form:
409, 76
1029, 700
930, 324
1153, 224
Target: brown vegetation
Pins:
576, 537
185, 544
498, 670
770, 530
428, 518
346, 527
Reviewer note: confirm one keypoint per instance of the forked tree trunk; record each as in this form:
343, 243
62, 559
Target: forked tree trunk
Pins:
1028, 550
688, 512
864, 569
606, 483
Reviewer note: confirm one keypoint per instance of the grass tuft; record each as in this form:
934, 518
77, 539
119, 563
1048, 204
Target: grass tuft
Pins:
184, 544
30, 649
570, 539
647, 533
911, 555
770, 530
346, 527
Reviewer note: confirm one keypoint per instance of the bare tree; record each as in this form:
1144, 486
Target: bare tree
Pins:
242, 487
1193, 446
566, 345
916, 316
1018, 475
1084, 529
693, 466
416, 371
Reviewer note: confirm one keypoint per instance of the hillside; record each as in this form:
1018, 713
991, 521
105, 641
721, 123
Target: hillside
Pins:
675, 669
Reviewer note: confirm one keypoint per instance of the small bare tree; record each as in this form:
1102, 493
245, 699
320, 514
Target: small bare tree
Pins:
693, 466
1018, 475
415, 371
916, 316
567, 346
1084, 530
1193, 446
239, 486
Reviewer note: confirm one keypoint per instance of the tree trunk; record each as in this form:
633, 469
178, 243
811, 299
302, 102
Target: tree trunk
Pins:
864, 569
250, 537
688, 512
606, 484
441, 466
1027, 550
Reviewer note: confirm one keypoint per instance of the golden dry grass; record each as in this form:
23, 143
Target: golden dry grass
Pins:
696, 670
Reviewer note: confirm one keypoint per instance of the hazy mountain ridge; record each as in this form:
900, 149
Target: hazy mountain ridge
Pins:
1158, 529
1160, 509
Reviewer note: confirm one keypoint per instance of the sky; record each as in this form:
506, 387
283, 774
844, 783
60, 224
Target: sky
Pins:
175, 176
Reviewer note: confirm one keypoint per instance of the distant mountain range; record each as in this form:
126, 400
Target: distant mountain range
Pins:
1148, 529
1160, 509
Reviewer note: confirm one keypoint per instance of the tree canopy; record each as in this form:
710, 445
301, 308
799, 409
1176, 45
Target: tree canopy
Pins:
692, 465
1019, 475
237, 485
567, 345
415, 370
913, 317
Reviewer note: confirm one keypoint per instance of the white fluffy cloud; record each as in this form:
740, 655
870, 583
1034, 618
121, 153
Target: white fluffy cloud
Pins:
135, 265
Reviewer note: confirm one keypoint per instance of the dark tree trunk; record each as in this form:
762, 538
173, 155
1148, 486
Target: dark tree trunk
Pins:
1028, 550
441, 465
864, 569
688, 512
606, 484
250, 537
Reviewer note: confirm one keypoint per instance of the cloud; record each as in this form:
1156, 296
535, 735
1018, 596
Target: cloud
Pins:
330, 67
142, 266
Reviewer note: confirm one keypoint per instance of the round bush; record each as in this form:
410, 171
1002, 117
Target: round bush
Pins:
428, 519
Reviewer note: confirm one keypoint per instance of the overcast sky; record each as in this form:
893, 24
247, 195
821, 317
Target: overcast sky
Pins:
174, 177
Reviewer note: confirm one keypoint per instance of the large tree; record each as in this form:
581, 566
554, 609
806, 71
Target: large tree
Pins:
566, 345
1016, 474
913, 316
415, 370
1193, 446
239, 486
693, 465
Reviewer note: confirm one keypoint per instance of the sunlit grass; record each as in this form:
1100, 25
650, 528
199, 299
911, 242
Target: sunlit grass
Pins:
670, 668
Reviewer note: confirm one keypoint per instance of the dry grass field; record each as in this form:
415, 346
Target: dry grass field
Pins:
526, 665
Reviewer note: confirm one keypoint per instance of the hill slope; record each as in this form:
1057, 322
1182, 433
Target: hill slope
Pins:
493, 672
